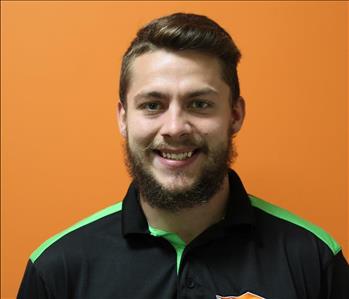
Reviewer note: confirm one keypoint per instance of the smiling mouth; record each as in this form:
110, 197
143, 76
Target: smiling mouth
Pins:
181, 156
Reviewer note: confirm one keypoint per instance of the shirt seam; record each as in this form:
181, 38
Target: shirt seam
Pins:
41, 276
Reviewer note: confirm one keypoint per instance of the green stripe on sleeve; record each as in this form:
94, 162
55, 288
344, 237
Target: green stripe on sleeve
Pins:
105, 212
290, 217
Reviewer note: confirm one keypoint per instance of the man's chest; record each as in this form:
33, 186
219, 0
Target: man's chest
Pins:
151, 272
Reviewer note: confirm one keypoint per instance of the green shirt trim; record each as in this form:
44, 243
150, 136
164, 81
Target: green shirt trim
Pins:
175, 240
105, 212
288, 216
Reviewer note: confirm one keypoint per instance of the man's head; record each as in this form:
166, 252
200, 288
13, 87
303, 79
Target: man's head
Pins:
179, 32
179, 109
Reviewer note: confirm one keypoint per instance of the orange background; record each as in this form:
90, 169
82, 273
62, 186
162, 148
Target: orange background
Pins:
61, 152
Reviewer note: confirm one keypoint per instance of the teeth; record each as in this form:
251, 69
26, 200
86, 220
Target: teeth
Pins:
180, 156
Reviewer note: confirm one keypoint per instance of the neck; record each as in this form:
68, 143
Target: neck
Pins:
189, 223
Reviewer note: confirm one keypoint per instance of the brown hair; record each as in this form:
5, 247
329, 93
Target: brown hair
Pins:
180, 32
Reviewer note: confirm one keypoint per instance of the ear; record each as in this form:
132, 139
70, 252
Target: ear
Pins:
122, 119
238, 115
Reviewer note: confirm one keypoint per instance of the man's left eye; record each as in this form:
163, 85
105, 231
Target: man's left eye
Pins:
199, 104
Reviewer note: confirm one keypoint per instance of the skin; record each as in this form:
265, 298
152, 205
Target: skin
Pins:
176, 101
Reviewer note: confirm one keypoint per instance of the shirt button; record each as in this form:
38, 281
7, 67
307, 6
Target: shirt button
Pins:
190, 283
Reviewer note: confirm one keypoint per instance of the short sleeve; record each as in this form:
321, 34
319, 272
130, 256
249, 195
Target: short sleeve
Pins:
33, 285
336, 278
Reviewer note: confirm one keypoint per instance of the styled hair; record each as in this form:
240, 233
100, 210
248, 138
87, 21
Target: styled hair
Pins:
179, 32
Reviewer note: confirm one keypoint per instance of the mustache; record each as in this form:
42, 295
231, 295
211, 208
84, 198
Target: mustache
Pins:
163, 144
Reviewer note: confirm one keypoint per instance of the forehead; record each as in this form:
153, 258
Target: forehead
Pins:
178, 72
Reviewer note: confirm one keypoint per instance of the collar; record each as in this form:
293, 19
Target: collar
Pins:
239, 209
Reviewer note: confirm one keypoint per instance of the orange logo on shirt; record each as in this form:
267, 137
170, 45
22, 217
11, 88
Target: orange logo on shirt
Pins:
247, 295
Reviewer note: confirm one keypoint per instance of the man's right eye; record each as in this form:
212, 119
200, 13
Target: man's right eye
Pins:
151, 106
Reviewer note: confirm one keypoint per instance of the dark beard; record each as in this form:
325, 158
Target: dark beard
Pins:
207, 184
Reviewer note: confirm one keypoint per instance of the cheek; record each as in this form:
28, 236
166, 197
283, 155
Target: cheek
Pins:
140, 132
214, 128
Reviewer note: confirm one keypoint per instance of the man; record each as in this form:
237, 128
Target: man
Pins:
186, 228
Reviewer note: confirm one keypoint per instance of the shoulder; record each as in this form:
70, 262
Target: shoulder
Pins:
292, 229
84, 232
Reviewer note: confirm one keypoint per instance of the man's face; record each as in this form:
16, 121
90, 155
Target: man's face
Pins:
178, 123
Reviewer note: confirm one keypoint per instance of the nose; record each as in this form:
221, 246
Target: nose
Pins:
175, 123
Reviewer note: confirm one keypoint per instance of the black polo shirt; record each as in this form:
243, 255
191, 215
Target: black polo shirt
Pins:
257, 251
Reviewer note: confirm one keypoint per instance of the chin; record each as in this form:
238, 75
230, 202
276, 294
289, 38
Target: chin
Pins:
175, 183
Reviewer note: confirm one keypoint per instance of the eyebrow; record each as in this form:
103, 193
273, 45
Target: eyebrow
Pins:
160, 95
202, 92
151, 95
